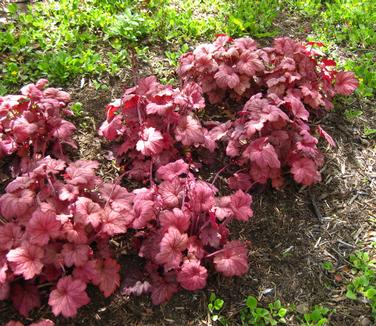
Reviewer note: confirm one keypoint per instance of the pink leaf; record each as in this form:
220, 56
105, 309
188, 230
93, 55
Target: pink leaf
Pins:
226, 77
48, 165
172, 170
16, 204
114, 222
241, 206
75, 233
23, 130
326, 136
137, 288
195, 248
192, 275
81, 173
76, 254
176, 218
111, 130
68, 296
171, 192
26, 260
161, 109
162, 291
87, 212
3, 269
61, 129
249, 63
210, 236
171, 247
45, 322
143, 213
305, 171
189, 131
151, 142
262, 153
107, 276
10, 236
25, 298
42, 227
232, 259
67, 192
202, 197
346, 83
190, 97
240, 181
13, 323
58, 94
297, 107
87, 272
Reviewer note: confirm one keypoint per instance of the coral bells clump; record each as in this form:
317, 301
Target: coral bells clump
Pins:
279, 89
183, 227
276, 92
33, 123
56, 227
239, 69
153, 124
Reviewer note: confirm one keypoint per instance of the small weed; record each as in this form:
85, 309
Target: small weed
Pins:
317, 317
353, 114
254, 315
215, 306
369, 132
328, 266
77, 109
364, 284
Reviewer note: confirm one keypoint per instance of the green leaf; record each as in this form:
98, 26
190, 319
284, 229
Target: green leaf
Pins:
353, 114
368, 132
251, 302
328, 266
322, 322
351, 295
282, 312
370, 293
12, 8
218, 304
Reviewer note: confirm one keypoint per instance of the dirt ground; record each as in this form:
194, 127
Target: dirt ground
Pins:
292, 233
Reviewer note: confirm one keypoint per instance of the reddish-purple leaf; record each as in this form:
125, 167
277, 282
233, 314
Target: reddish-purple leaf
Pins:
345, 83
25, 298
232, 259
192, 275
171, 247
68, 297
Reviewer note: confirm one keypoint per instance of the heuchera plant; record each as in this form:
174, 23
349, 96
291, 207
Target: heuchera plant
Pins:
153, 124
182, 228
58, 220
32, 124
55, 228
275, 92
